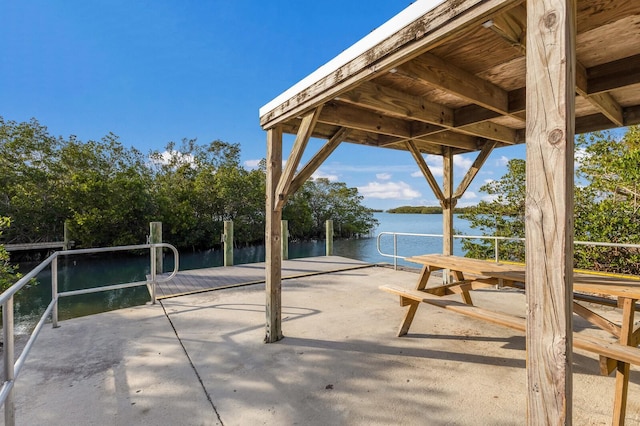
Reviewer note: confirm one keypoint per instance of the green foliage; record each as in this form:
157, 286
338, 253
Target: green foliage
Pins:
8, 274
502, 216
607, 205
109, 193
320, 200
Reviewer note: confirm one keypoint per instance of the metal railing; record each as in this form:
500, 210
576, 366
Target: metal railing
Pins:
496, 243
12, 368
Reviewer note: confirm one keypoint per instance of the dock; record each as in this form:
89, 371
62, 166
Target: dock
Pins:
206, 279
200, 360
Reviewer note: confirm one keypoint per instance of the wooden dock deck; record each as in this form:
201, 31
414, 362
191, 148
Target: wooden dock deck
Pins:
201, 280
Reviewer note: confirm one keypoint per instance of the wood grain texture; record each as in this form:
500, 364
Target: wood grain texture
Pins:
549, 209
273, 253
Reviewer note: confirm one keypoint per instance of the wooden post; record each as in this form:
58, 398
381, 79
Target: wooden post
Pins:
155, 237
273, 238
551, 33
65, 234
285, 239
448, 203
329, 231
227, 239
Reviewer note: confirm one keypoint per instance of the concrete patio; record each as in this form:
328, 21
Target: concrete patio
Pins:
200, 360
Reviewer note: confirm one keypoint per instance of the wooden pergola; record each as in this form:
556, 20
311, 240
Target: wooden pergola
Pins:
461, 76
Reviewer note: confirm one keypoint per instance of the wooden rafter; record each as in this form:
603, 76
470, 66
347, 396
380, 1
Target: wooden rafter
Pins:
318, 159
304, 133
613, 75
426, 171
474, 169
437, 72
511, 26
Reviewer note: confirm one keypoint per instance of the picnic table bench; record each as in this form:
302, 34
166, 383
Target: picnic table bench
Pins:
472, 274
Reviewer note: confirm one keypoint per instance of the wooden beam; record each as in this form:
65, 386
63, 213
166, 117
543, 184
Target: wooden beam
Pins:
426, 171
614, 75
318, 159
273, 236
304, 133
405, 106
343, 115
443, 23
448, 203
431, 69
510, 26
474, 169
399, 104
603, 101
551, 35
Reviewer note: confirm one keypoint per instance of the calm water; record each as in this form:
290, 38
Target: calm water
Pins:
84, 271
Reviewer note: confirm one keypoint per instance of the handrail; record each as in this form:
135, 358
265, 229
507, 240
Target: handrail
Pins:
12, 368
496, 239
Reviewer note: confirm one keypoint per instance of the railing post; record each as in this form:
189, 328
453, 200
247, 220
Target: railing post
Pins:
395, 251
155, 237
153, 254
329, 230
285, 239
496, 251
67, 243
227, 239
54, 291
8, 360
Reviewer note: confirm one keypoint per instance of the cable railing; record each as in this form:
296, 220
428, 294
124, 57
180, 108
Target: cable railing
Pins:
13, 367
496, 243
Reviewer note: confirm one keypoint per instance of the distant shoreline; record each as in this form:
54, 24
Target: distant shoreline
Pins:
424, 210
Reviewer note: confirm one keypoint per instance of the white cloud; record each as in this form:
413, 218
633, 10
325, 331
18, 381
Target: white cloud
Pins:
389, 191
462, 162
486, 181
384, 176
437, 171
166, 156
502, 161
251, 164
321, 175
469, 195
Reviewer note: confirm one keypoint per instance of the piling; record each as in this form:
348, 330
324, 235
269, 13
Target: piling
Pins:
329, 228
227, 239
285, 239
155, 237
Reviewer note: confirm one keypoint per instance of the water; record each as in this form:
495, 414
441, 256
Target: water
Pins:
77, 272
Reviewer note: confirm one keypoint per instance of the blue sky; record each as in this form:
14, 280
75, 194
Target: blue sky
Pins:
158, 71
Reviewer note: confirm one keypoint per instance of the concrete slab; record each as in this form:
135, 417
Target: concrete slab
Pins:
339, 363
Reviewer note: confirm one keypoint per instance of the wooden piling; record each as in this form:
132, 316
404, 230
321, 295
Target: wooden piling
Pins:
155, 237
329, 232
285, 239
227, 239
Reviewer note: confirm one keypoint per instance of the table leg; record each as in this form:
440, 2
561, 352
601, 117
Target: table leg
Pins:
408, 316
623, 370
413, 305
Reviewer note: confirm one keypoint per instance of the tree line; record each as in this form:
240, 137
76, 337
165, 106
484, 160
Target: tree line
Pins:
606, 205
425, 210
108, 193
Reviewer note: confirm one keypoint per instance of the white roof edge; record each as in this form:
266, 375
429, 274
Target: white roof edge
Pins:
409, 15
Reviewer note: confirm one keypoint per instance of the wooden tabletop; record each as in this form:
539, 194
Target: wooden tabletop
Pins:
591, 283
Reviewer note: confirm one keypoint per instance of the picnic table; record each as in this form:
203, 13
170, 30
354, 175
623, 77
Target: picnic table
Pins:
615, 354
